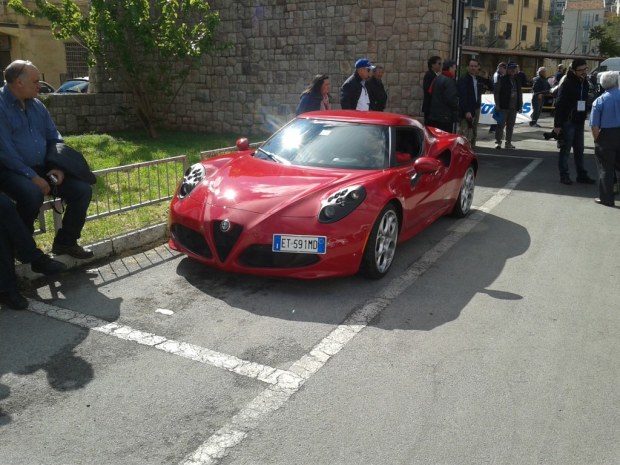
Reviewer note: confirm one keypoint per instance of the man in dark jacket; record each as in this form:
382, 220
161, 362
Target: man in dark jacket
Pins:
376, 90
508, 102
353, 93
570, 115
443, 111
540, 89
470, 90
434, 68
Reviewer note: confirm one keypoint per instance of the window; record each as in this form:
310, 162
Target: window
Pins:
77, 60
526, 3
508, 31
538, 37
524, 33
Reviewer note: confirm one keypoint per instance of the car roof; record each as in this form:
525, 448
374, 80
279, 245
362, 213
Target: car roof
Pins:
363, 117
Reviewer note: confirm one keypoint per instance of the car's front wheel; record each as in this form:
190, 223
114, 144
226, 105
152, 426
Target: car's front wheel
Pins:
381, 245
462, 207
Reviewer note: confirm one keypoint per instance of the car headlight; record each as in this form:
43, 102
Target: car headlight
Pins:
193, 175
341, 203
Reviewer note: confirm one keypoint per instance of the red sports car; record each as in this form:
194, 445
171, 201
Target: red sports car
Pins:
332, 193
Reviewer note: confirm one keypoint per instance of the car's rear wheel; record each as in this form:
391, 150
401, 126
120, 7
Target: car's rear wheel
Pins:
462, 207
381, 245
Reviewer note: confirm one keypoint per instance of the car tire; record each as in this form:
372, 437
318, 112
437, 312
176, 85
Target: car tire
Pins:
381, 246
462, 207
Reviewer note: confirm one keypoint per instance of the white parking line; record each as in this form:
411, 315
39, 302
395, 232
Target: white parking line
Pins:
252, 370
271, 399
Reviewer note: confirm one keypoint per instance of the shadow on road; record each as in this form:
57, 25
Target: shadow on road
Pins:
31, 344
482, 256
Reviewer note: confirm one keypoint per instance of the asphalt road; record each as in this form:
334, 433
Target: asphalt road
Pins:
493, 340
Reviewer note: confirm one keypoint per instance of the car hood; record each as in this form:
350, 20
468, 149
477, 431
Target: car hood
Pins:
261, 186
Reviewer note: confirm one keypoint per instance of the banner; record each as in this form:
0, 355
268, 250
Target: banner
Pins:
488, 104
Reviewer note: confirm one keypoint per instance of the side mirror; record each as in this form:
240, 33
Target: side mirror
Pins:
242, 144
427, 165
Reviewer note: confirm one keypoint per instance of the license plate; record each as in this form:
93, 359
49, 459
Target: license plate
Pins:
299, 244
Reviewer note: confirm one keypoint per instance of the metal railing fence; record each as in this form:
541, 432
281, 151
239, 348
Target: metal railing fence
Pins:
125, 188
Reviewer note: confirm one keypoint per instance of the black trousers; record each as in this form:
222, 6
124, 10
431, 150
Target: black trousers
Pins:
607, 151
15, 240
29, 198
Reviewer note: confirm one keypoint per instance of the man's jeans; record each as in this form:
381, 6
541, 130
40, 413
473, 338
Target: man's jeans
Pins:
29, 198
572, 137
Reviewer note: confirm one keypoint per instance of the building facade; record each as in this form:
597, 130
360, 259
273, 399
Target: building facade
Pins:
23, 38
579, 18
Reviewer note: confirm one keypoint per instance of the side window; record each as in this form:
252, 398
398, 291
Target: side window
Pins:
408, 145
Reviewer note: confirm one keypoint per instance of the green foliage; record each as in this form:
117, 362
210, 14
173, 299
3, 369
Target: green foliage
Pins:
607, 35
149, 46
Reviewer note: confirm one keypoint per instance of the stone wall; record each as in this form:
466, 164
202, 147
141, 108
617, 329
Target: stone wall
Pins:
79, 114
277, 46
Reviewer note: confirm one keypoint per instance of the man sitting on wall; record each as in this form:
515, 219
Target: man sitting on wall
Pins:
26, 130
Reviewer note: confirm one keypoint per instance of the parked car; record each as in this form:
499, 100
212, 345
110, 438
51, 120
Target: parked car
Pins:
74, 86
329, 194
46, 88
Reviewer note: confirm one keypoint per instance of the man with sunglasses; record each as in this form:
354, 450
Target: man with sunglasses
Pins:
570, 116
26, 130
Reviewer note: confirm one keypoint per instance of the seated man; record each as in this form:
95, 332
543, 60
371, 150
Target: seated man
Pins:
26, 129
15, 240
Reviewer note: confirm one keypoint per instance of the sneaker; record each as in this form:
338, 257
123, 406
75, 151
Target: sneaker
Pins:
14, 300
75, 251
600, 202
566, 180
508, 145
498, 145
533, 123
47, 265
585, 180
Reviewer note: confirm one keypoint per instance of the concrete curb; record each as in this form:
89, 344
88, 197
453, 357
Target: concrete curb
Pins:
146, 237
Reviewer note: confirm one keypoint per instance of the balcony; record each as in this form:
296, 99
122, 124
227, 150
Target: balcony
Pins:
542, 15
498, 6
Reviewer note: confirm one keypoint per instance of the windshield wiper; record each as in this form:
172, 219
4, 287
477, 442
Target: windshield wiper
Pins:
274, 157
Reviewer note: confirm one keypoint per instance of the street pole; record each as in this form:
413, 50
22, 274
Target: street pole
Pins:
456, 41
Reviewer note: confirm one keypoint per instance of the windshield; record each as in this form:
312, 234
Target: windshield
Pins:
328, 144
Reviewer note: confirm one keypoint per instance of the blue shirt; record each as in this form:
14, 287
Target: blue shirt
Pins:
606, 110
24, 133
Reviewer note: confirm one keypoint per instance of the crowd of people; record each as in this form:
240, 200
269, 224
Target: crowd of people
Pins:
453, 104
27, 135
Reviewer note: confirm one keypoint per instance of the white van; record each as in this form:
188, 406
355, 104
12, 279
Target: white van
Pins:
610, 64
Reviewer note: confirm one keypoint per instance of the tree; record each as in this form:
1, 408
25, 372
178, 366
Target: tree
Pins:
149, 46
607, 35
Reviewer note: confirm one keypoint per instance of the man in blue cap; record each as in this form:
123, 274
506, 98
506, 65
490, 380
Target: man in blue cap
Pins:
353, 93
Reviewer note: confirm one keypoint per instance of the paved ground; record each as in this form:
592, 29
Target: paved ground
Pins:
492, 340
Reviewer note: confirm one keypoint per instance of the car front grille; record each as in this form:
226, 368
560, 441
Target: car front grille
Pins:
225, 241
191, 240
261, 256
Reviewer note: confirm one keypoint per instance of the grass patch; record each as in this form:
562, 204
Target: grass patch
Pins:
126, 148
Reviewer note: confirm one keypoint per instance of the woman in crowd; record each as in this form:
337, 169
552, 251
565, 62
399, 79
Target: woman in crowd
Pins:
316, 95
